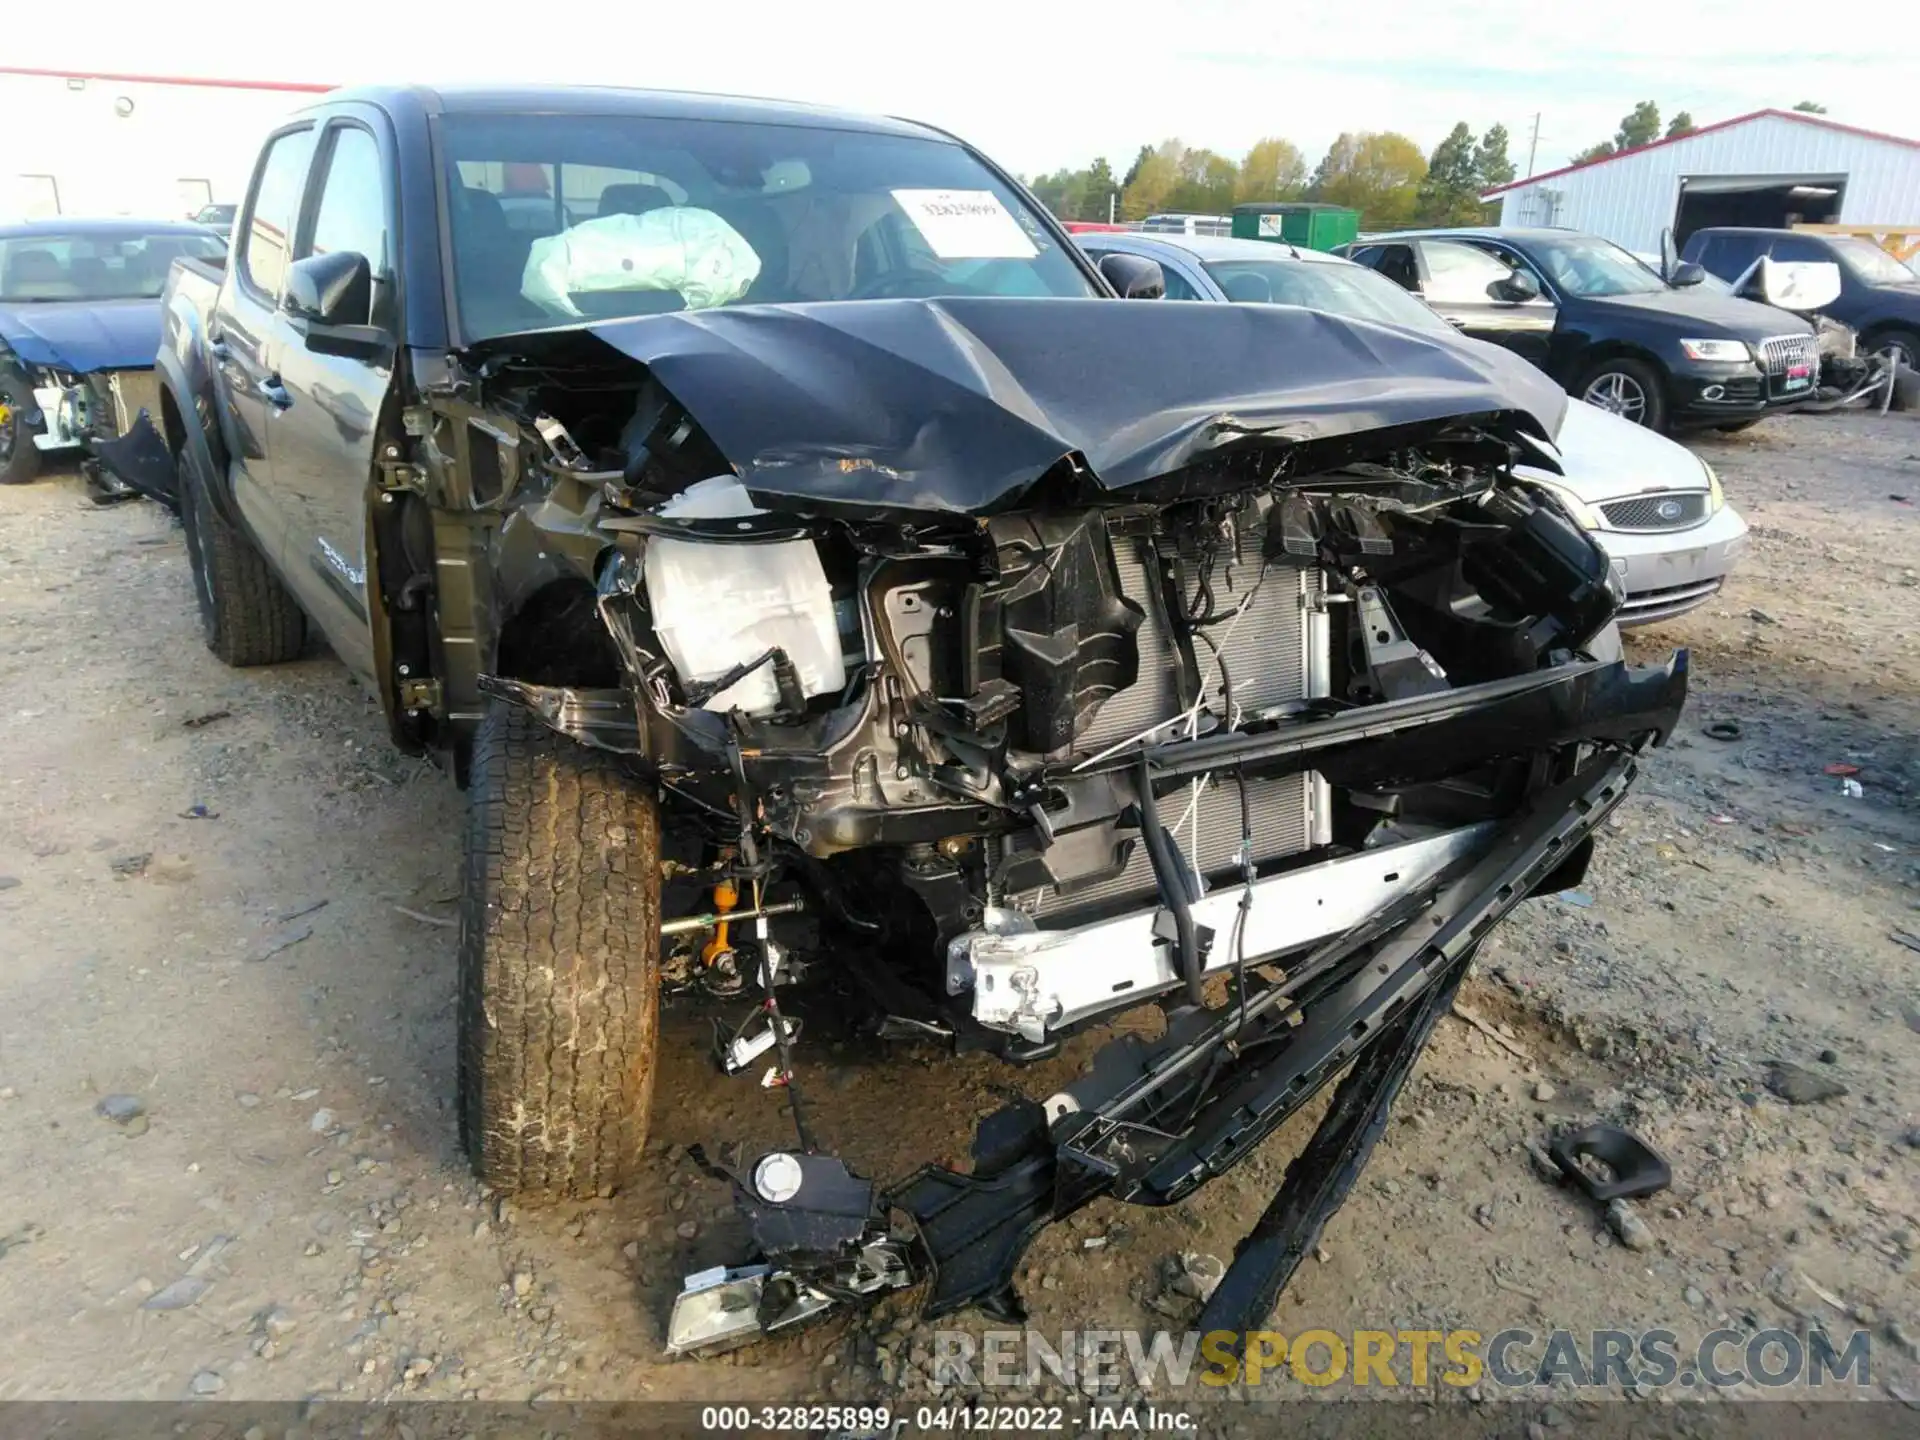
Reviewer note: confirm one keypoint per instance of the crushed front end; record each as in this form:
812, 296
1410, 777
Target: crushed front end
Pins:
1233, 672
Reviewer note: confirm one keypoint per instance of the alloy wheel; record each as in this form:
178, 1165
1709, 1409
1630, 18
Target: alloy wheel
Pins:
1618, 392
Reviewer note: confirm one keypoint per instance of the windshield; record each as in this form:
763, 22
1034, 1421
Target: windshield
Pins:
54, 265
1870, 263
1588, 266
559, 218
1348, 290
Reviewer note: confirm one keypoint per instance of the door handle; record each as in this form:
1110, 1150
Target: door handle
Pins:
275, 393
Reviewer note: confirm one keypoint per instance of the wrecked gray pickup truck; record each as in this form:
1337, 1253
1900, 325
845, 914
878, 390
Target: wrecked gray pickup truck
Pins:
825, 585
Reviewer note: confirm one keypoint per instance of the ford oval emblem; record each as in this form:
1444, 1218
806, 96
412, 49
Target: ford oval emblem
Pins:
1669, 509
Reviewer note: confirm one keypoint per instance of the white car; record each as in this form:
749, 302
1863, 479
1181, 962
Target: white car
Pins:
1655, 506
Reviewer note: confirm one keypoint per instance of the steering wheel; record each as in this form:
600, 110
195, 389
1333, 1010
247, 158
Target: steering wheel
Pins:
902, 285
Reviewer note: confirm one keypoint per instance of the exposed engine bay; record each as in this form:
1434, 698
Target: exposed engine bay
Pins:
1235, 673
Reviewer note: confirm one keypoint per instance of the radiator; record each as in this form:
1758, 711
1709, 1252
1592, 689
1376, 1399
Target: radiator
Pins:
1278, 652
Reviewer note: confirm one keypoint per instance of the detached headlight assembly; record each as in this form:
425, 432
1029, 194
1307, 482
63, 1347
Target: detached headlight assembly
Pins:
1584, 515
1716, 497
1734, 350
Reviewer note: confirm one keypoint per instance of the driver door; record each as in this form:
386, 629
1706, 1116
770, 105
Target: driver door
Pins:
1469, 286
325, 436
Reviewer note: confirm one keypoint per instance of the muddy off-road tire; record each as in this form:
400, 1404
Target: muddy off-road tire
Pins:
559, 962
246, 613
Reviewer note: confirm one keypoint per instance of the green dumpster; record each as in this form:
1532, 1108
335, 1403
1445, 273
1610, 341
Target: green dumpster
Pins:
1305, 223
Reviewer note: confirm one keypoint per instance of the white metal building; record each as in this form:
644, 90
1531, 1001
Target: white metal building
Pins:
86, 143
1771, 168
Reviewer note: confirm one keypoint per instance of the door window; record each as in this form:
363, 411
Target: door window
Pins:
1460, 274
1728, 255
351, 215
1796, 248
1393, 261
270, 216
1178, 286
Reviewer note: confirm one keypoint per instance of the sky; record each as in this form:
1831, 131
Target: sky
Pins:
1039, 86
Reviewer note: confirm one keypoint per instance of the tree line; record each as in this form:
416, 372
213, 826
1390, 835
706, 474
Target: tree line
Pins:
1380, 173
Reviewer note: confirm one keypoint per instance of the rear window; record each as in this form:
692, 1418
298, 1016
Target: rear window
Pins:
556, 219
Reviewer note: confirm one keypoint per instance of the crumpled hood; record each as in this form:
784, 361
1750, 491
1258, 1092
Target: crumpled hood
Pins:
84, 335
958, 405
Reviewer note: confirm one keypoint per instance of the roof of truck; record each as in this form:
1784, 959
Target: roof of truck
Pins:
616, 100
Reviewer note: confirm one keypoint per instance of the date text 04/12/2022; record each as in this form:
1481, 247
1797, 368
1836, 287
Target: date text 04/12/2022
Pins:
877, 1421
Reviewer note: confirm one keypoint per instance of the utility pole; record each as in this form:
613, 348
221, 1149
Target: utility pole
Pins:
1111, 198
1533, 146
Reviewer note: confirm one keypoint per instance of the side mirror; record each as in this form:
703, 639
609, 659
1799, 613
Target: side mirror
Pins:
1686, 272
1133, 277
332, 289
1518, 288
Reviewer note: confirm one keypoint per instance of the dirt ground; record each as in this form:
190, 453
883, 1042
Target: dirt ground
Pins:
223, 895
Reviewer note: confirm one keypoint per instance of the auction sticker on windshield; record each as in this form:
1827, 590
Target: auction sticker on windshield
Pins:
966, 224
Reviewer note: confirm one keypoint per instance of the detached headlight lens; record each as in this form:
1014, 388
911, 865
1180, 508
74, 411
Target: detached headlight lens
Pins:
1584, 515
1716, 497
1734, 350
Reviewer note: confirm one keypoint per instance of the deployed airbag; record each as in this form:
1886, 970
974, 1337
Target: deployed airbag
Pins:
679, 247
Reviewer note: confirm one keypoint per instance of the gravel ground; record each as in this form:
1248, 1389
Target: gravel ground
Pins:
225, 919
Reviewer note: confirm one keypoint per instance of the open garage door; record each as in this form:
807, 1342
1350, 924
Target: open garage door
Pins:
1774, 202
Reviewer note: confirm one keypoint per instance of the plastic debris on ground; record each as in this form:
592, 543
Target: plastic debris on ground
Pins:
1852, 789
1576, 897
1842, 768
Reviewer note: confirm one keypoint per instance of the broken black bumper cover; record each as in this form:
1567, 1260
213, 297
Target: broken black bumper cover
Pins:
1150, 1123
141, 460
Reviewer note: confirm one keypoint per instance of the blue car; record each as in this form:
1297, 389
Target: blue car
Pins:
79, 330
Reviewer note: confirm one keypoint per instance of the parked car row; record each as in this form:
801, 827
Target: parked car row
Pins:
1664, 355
1656, 506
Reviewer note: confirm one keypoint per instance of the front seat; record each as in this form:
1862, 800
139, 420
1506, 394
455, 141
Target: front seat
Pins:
38, 275
1245, 288
489, 261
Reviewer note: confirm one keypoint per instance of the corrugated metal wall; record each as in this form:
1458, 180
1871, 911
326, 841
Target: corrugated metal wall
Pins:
1631, 200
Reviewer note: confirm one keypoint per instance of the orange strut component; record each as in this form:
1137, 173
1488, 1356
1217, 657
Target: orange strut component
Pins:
725, 896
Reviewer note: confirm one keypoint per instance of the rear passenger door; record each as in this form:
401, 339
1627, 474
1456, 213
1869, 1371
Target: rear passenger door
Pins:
245, 337
1467, 284
324, 443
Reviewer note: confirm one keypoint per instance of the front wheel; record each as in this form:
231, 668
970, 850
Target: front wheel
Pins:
559, 962
19, 456
1628, 388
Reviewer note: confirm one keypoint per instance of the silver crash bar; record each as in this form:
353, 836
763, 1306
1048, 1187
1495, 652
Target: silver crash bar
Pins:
1028, 981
